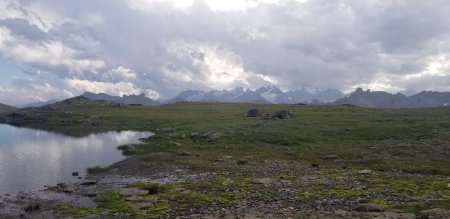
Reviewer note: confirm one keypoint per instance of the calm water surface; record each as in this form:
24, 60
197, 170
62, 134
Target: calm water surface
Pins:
31, 159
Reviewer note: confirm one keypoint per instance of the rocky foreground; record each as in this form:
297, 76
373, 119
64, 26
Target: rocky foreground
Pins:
236, 189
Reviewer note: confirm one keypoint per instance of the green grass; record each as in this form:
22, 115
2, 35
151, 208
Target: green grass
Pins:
408, 150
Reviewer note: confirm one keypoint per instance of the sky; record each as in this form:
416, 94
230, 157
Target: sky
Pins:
56, 49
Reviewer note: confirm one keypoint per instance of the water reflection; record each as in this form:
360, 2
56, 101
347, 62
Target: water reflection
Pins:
30, 159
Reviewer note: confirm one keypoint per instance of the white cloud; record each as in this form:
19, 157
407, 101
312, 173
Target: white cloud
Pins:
161, 47
46, 54
119, 89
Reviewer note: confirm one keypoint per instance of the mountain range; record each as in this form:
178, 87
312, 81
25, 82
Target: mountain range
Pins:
125, 99
269, 94
273, 94
381, 99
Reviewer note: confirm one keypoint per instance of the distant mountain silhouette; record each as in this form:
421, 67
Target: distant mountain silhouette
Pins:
39, 103
381, 99
6, 108
126, 99
269, 94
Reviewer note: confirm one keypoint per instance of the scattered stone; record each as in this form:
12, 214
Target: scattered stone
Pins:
227, 157
435, 213
282, 114
168, 130
219, 160
134, 198
62, 185
89, 183
142, 205
210, 136
195, 135
185, 153
254, 112
263, 181
261, 122
32, 207
365, 172
369, 207
132, 191
331, 157
75, 173
407, 216
69, 189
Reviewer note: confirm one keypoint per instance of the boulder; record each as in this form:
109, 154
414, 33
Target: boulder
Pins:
253, 112
282, 114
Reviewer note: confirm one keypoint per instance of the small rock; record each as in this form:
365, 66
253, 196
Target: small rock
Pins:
32, 207
364, 172
219, 160
406, 216
69, 189
261, 122
435, 213
331, 157
75, 173
177, 144
134, 198
263, 181
142, 205
89, 183
227, 157
185, 153
62, 185
168, 130
369, 207
132, 191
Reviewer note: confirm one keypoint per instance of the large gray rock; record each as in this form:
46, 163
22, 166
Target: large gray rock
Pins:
254, 112
369, 207
282, 114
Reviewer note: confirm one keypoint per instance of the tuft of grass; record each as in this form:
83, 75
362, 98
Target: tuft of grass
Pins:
98, 169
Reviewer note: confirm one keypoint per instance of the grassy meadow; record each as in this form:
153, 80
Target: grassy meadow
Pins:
407, 151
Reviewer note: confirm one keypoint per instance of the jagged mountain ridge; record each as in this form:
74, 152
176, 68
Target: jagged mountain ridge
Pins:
125, 99
381, 99
269, 94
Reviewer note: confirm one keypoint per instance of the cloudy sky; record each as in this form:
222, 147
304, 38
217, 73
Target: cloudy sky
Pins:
54, 49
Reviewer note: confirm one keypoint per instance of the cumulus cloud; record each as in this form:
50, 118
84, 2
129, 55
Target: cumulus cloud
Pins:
161, 47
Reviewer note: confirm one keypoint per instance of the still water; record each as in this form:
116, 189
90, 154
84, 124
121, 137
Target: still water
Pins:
31, 159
